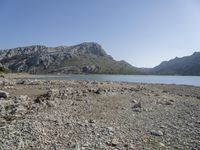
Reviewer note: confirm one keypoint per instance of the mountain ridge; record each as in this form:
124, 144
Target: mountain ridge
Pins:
87, 57
187, 65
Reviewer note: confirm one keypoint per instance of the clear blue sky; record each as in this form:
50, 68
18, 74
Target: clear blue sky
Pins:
142, 32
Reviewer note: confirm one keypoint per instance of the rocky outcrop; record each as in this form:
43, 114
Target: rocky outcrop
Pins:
82, 58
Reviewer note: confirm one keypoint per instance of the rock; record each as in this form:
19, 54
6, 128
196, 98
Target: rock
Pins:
2, 76
168, 103
4, 94
163, 126
50, 103
110, 128
9, 118
198, 121
52, 93
198, 97
91, 121
97, 91
23, 97
8, 83
114, 142
161, 144
164, 91
134, 101
157, 132
21, 82
2, 122
20, 110
94, 82
137, 107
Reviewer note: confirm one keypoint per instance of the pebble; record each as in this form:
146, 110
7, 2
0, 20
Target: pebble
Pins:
111, 130
134, 101
157, 132
51, 103
163, 126
161, 144
2, 122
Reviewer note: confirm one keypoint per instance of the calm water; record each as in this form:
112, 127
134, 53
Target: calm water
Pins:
185, 80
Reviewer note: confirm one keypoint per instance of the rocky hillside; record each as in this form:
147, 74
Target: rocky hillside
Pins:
188, 65
82, 58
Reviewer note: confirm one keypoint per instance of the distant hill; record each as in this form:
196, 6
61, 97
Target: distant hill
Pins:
82, 58
188, 65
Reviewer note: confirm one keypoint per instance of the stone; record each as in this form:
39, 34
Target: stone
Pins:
23, 97
20, 82
134, 101
110, 130
91, 121
198, 97
161, 144
2, 122
137, 109
8, 83
97, 91
114, 142
50, 103
163, 126
138, 105
168, 103
157, 132
4, 94
53, 92
2, 76
20, 110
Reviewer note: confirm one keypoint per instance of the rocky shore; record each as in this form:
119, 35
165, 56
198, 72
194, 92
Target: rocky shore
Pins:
87, 115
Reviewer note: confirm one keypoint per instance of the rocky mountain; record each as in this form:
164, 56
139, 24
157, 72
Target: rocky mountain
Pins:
188, 65
82, 58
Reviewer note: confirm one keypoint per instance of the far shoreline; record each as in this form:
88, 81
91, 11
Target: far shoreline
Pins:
144, 79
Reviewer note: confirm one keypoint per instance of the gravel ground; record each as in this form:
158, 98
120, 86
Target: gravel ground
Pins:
87, 115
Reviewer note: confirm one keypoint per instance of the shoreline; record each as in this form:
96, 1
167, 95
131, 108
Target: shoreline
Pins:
69, 114
140, 79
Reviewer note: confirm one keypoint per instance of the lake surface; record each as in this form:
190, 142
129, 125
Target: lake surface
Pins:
183, 80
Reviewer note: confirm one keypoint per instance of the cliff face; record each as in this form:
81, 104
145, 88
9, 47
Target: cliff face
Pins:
82, 58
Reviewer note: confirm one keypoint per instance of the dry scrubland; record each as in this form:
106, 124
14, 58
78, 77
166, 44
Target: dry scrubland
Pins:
65, 115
